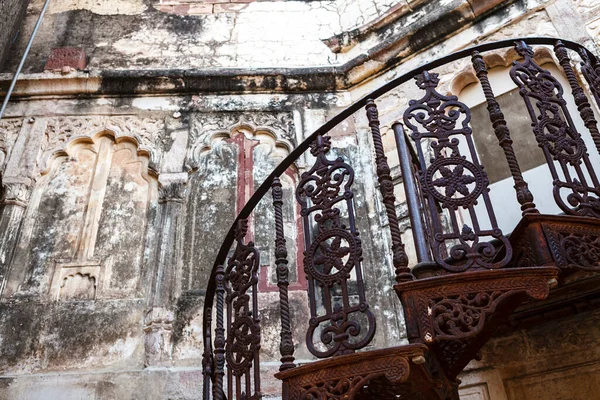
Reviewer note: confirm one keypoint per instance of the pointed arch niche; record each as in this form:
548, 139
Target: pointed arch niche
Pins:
230, 164
85, 230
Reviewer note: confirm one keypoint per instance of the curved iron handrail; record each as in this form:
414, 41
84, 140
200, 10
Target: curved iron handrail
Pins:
264, 188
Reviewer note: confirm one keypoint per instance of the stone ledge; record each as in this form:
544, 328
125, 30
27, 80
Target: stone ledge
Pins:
398, 44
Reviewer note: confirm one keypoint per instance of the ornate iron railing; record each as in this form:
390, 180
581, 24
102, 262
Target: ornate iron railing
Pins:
468, 275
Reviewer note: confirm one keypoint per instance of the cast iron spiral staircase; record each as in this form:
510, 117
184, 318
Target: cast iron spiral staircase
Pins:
469, 277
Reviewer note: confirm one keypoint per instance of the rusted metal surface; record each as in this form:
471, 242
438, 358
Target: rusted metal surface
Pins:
456, 314
386, 186
574, 192
571, 244
452, 181
338, 325
478, 276
399, 372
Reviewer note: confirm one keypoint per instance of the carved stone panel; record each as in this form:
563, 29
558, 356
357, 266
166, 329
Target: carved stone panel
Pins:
130, 196
84, 233
578, 382
9, 129
78, 287
58, 202
231, 153
210, 210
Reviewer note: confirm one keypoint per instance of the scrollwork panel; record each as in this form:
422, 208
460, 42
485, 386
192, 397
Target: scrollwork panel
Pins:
243, 324
576, 188
341, 321
454, 181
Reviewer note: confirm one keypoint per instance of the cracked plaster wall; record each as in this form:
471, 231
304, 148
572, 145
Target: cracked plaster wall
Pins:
136, 34
172, 185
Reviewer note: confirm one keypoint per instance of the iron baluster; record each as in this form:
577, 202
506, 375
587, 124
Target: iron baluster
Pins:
286, 347
581, 100
333, 253
207, 356
524, 195
555, 133
453, 181
591, 73
219, 336
386, 186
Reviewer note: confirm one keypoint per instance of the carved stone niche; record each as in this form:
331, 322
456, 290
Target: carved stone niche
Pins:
76, 281
85, 230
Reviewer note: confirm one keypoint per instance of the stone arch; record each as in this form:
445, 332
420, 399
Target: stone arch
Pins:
494, 59
78, 286
213, 141
67, 131
89, 214
228, 165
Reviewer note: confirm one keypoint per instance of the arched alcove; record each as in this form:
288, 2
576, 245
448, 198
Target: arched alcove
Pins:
229, 165
88, 215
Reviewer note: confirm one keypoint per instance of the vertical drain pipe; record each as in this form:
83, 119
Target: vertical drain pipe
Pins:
14, 80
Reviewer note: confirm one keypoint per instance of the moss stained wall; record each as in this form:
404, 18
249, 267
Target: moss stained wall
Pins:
11, 16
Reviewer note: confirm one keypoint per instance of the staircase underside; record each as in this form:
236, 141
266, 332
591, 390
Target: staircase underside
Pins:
405, 372
450, 317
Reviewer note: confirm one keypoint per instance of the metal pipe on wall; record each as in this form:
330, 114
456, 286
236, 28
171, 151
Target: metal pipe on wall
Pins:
25, 54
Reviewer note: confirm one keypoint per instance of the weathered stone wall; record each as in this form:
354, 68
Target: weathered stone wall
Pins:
119, 182
11, 15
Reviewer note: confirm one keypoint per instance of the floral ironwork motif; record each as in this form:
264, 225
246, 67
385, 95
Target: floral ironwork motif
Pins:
346, 381
463, 314
339, 325
243, 325
576, 186
449, 316
574, 247
456, 317
582, 250
453, 181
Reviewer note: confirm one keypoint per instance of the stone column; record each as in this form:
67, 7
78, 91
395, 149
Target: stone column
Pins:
14, 202
17, 181
158, 324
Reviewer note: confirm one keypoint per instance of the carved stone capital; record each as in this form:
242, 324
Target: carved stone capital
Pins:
158, 333
172, 187
16, 192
